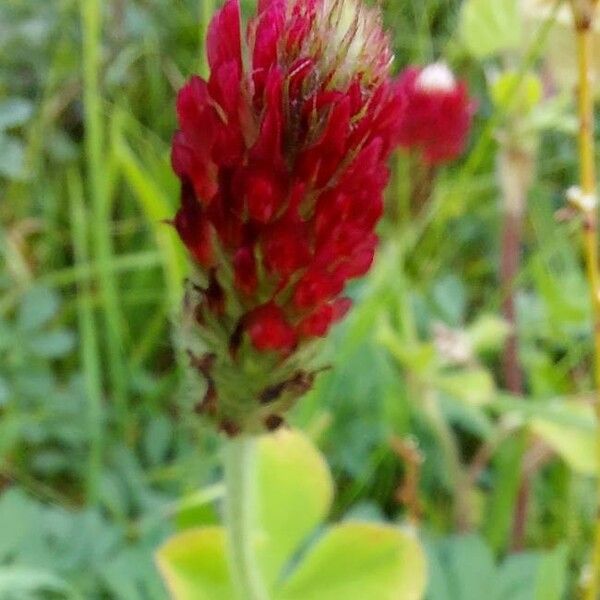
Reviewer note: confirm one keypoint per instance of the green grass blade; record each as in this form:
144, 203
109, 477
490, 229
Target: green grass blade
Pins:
91, 19
157, 208
88, 344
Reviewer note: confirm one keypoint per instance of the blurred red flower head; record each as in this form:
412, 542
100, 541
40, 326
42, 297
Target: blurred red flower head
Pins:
438, 113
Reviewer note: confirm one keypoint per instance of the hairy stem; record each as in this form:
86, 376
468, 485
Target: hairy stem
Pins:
240, 516
590, 242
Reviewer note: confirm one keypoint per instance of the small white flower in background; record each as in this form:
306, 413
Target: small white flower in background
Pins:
453, 345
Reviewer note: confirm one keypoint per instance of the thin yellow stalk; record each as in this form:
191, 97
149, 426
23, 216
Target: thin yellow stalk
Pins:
583, 16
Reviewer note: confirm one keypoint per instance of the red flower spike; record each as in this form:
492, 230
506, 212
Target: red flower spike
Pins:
438, 113
282, 157
285, 157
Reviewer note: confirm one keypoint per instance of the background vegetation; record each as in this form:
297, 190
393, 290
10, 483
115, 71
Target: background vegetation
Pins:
100, 457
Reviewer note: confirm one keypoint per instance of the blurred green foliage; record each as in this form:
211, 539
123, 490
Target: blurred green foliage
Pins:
100, 458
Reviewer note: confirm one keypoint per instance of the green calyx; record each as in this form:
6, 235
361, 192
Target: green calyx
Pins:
244, 390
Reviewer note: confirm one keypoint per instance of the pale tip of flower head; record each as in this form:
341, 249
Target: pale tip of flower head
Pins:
353, 40
436, 77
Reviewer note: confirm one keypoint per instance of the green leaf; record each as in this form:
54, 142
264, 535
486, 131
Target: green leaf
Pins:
198, 509
15, 581
471, 567
53, 344
157, 439
39, 306
516, 577
357, 561
528, 89
463, 568
490, 27
450, 297
576, 445
472, 386
293, 495
14, 112
293, 479
555, 114
4, 392
552, 574
194, 565
488, 333
501, 501
417, 357
12, 157
6, 336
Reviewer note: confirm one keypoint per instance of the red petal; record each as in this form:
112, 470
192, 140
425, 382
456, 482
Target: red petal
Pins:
340, 308
223, 36
224, 87
268, 28
285, 248
316, 287
264, 196
189, 162
192, 100
269, 330
318, 323
268, 146
194, 228
228, 224
244, 265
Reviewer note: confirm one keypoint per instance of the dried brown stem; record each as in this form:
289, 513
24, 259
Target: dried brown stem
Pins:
407, 493
515, 169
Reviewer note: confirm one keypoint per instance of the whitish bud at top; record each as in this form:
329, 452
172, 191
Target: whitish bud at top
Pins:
436, 77
348, 40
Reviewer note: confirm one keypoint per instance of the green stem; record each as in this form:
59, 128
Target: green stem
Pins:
421, 388
451, 452
240, 516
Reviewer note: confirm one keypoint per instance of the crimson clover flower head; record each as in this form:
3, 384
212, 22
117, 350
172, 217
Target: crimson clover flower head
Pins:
438, 114
282, 157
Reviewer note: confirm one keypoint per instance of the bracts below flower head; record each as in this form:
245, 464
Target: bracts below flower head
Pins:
282, 160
